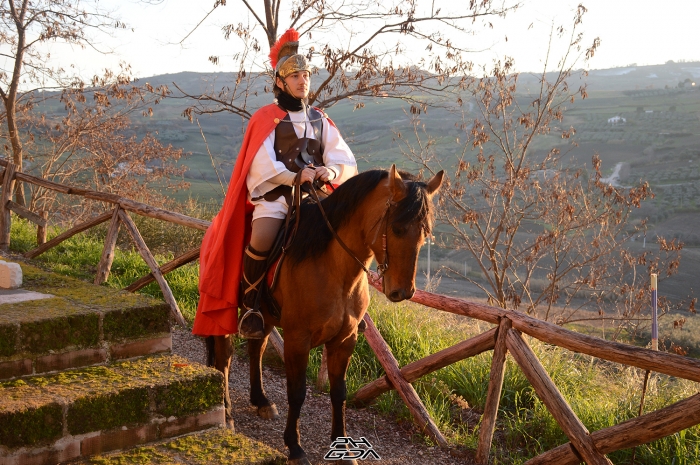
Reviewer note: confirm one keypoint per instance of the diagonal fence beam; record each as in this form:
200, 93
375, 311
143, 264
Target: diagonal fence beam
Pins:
183, 259
406, 391
415, 370
556, 404
27, 214
68, 234
634, 432
153, 265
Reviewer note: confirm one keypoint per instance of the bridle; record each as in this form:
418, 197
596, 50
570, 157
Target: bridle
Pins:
383, 220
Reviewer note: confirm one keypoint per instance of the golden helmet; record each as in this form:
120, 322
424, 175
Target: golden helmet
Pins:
284, 56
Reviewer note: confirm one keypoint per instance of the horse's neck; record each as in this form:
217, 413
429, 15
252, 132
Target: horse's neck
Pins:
363, 229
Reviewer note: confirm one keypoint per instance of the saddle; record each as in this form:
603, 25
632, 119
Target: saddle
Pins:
285, 236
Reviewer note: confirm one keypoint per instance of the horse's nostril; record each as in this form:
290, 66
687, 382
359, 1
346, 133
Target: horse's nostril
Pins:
397, 295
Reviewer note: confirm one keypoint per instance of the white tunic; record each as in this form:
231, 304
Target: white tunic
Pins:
337, 156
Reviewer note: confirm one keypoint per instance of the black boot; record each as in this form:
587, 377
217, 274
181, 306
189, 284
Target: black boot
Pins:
252, 325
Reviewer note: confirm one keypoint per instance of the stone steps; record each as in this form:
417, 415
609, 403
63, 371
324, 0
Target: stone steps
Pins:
79, 325
82, 412
86, 369
216, 446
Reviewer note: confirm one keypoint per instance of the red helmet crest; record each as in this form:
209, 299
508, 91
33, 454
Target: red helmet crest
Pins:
286, 45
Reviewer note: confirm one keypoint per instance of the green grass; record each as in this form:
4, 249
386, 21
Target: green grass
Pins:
600, 393
79, 256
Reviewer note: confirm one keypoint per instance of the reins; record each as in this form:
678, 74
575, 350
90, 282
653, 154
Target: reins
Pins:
294, 208
381, 268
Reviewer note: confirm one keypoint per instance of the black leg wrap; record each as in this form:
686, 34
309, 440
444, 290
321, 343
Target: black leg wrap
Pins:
254, 268
209, 344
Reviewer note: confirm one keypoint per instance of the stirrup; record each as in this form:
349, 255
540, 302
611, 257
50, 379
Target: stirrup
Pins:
253, 332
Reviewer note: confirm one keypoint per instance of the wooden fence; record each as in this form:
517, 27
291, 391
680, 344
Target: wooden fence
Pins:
504, 338
118, 215
507, 337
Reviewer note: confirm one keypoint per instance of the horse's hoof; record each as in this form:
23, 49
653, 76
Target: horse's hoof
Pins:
268, 412
300, 461
229, 425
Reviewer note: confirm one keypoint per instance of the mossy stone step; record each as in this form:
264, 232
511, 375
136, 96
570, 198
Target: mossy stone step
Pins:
82, 325
218, 446
78, 413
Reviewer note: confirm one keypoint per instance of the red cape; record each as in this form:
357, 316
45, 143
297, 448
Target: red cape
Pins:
220, 262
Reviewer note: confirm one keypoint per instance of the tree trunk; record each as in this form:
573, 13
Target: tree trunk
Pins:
271, 21
10, 99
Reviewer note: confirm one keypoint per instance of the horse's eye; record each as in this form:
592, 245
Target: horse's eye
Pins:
399, 230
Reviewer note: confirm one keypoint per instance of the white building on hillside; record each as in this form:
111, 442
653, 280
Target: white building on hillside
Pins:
617, 120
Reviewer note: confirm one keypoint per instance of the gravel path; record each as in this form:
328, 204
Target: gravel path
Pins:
395, 443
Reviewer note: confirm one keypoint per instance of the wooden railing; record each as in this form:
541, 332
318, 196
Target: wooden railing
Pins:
506, 337
118, 216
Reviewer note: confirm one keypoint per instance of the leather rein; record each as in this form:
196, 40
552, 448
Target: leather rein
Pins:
382, 221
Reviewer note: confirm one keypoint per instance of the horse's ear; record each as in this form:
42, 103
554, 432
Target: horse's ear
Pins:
435, 182
398, 189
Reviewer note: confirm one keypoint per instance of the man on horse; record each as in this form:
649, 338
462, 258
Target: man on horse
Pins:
282, 139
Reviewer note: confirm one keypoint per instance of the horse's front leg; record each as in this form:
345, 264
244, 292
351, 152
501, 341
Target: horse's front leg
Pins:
338, 362
266, 409
296, 360
219, 354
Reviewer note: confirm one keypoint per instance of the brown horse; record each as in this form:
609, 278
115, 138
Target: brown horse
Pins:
323, 290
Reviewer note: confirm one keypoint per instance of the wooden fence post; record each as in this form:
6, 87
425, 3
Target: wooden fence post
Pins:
403, 387
42, 228
322, 379
107, 258
8, 185
493, 395
153, 265
551, 397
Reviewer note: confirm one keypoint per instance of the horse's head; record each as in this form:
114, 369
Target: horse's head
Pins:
407, 221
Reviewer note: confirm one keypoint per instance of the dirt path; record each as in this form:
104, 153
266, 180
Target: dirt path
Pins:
396, 443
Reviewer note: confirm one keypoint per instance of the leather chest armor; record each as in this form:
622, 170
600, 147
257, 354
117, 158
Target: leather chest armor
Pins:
289, 147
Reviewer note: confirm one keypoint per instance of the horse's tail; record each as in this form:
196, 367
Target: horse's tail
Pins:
209, 344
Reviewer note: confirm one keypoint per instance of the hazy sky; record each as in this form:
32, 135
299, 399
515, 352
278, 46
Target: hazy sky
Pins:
631, 31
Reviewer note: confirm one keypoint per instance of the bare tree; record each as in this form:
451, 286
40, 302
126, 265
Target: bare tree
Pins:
26, 26
72, 129
92, 140
544, 237
373, 56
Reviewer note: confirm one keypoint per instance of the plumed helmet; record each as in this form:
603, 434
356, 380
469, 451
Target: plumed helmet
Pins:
284, 56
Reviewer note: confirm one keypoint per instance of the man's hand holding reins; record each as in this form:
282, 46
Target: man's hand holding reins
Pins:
324, 174
307, 175
311, 173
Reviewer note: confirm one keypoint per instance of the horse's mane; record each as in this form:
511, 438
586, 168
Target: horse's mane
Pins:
313, 236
